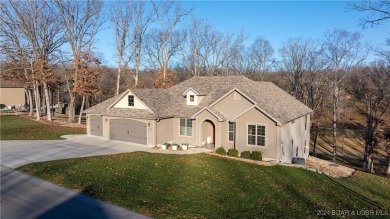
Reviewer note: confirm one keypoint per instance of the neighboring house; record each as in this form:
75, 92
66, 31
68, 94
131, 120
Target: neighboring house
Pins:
231, 111
11, 94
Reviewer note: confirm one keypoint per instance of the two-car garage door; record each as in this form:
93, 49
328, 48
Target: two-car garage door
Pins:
120, 129
128, 130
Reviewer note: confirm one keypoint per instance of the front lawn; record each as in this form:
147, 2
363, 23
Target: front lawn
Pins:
204, 186
14, 127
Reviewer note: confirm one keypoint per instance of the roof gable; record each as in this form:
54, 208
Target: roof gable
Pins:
122, 102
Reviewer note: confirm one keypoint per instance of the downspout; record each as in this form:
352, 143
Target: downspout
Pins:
234, 137
155, 130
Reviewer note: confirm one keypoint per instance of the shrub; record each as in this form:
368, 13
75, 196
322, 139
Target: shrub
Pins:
232, 153
246, 154
257, 155
221, 151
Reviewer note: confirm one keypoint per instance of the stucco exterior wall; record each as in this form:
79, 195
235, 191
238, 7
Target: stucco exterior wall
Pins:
295, 137
200, 118
255, 117
12, 96
225, 136
165, 130
177, 138
232, 105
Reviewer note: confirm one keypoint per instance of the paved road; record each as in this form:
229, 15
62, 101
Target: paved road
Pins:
23, 196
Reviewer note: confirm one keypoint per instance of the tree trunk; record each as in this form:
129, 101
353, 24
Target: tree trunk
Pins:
370, 165
334, 121
47, 101
30, 102
315, 140
118, 78
43, 101
71, 110
37, 100
388, 170
81, 109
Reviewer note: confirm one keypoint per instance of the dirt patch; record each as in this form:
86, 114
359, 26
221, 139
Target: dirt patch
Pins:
329, 168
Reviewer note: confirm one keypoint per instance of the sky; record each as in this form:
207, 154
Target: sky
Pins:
277, 21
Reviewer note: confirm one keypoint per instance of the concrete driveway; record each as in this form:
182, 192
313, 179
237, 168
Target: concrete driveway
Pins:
17, 153
24, 196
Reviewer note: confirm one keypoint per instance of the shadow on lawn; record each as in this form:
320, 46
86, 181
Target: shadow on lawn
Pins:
350, 191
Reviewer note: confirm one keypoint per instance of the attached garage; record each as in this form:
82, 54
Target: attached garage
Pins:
96, 125
128, 130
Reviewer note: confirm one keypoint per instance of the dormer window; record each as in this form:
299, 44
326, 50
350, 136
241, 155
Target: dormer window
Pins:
131, 100
192, 98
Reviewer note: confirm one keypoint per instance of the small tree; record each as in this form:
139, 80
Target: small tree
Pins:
164, 82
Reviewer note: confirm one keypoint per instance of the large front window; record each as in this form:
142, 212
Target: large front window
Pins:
186, 127
231, 130
256, 135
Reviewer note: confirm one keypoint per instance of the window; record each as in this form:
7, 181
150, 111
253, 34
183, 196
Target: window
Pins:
131, 100
231, 130
192, 98
256, 135
186, 127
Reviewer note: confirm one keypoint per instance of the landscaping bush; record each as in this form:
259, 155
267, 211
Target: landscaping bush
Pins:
257, 155
232, 153
246, 154
221, 151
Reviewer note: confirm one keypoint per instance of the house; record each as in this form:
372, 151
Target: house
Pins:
233, 112
11, 94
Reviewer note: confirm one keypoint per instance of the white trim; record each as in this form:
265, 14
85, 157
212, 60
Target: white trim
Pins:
190, 89
266, 135
210, 111
118, 99
192, 126
127, 93
261, 110
228, 132
232, 90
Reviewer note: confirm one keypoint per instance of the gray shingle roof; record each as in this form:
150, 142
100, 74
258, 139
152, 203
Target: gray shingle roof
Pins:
171, 102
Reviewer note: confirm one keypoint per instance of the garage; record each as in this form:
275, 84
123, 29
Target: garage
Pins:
128, 130
96, 125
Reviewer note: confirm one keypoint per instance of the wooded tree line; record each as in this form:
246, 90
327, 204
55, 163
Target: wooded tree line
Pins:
50, 44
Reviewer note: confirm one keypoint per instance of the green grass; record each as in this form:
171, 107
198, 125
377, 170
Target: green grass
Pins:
204, 186
14, 127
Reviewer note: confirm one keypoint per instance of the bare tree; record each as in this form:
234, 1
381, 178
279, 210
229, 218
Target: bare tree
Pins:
36, 22
141, 18
261, 58
343, 51
223, 49
377, 11
196, 49
81, 21
375, 92
299, 56
120, 16
164, 43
